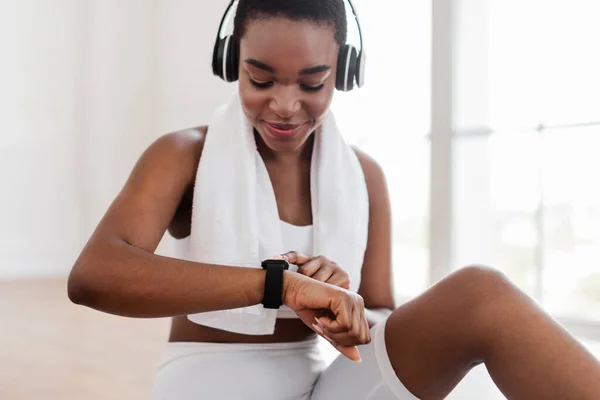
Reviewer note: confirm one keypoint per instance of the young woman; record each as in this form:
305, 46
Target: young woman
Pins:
290, 56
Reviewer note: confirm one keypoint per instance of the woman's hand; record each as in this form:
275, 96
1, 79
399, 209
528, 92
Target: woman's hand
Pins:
333, 312
319, 268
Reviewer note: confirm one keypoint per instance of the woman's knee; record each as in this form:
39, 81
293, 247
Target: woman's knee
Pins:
478, 290
481, 279
472, 295
487, 291
446, 327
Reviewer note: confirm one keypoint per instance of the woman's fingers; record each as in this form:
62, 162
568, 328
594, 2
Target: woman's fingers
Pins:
313, 266
357, 327
342, 308
329, 310
351, 351
358, 334
331, 325
319, 268
324, 270
346, 329
293, 257
324, 275
365, 335
340, 278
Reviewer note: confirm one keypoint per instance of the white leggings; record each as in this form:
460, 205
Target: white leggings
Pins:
276, 371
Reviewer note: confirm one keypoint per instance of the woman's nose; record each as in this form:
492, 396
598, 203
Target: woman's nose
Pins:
285, 102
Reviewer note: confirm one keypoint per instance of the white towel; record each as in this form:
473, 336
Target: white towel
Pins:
235, 220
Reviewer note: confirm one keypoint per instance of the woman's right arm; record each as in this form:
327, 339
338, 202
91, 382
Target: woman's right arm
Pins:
117, 272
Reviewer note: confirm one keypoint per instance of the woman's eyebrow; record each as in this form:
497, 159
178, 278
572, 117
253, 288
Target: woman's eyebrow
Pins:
305, 71
259, 64
315, 70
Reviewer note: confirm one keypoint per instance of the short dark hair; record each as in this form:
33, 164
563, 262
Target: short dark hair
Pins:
318, 11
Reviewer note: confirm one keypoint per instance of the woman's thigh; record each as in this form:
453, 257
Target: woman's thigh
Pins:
372, 379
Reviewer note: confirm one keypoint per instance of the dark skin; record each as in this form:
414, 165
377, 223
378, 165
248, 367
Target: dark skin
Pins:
473, 316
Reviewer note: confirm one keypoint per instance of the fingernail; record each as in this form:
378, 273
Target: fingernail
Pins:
359, 360
318, 330
318, 321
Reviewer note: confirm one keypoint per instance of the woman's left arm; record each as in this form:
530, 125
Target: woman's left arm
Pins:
376, 287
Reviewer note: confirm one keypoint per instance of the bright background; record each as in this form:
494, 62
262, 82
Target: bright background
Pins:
484, 114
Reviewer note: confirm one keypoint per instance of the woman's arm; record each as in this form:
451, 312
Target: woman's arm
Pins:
117, 271
376, 277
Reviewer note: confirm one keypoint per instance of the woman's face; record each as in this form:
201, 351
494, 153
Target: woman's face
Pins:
286, 79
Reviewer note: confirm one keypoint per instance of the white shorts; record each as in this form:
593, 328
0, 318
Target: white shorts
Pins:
276, 371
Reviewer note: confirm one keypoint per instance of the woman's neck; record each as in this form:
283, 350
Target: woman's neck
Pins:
302, 155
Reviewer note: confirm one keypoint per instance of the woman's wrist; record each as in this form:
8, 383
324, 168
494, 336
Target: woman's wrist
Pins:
286, 285
290, 281
256, 290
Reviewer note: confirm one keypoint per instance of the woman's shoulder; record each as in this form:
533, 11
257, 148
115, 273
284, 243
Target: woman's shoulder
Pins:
374, 175
190, 140
178, 153
186, 147
377, 188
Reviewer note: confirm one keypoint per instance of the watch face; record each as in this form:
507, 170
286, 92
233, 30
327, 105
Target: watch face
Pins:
275, 263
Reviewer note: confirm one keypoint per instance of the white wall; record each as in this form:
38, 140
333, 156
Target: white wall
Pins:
118, 99
187, 91
86, 86
39, 99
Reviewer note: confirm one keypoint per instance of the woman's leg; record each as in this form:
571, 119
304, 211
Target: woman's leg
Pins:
476, 315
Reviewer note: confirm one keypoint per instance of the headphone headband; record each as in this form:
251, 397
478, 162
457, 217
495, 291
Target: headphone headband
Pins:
225, 19
227, 15
360, 37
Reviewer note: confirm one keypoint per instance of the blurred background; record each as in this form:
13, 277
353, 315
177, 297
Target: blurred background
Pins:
485, 115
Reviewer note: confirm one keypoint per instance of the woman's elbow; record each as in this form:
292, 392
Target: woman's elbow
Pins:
75, 289
80, 287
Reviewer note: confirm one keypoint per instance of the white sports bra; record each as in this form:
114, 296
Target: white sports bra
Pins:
299, 239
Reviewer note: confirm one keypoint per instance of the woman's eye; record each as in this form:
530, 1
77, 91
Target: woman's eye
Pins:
261, 85
309, 88
265, 85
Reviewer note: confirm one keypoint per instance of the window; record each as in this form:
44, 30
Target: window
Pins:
389, 119
541, 221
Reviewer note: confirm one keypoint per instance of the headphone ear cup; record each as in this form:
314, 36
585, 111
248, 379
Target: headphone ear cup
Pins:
232, 61
225, 59
217, 61
360, 68
341, 68
346, 68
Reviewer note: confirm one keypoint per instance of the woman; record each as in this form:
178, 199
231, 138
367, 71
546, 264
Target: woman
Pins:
289, 51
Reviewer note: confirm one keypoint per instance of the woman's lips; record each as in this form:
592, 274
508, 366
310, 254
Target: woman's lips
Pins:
282, 130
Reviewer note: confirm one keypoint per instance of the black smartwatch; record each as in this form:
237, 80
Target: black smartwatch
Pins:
274, 283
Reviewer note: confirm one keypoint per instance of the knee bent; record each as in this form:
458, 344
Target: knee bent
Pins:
482, 282
480, 272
